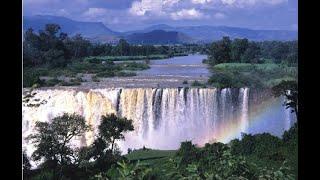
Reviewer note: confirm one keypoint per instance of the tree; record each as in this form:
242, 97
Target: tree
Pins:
52, 139
220, 52
289, 89
52, 29
55, 58
112, 128
238, 47
252, 53
123, 48
279, 51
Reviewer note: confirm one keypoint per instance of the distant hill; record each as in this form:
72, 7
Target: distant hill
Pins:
158, 37
71, 27
156, 34
211, 33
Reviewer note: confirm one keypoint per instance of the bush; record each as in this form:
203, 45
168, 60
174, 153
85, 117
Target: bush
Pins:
45, 174
185, 82
52, 82
106, 74
133, 66
94, 61
214, 161
30, 78
221, 80
125, 74
187, 152
197, 83
70, 83
95, 79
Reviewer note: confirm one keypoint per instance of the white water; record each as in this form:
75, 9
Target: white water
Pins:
162, 117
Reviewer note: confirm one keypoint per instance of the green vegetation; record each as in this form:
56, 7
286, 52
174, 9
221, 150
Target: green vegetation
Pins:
251, 75
61, 161
125, 58
240, 63
197, 84
51, 53
107, 69
149, 154
95, 79
289, 89
244, 51
260, 156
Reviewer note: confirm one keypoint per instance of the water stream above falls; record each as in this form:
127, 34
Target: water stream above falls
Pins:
163, 73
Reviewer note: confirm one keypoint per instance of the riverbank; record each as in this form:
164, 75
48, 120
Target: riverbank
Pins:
183, 71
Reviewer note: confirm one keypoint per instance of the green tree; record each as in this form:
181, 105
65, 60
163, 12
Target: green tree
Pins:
289, 89
251, 54
123, 48
279, 51
52, 29
52, 140
238, 47
55, 58
113, 127
220, 52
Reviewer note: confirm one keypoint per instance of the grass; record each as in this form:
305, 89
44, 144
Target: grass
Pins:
156, 159
149, 154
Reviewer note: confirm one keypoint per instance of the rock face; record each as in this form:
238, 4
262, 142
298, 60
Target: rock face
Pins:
163, 117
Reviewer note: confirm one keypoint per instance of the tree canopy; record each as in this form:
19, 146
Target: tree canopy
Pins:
52, 139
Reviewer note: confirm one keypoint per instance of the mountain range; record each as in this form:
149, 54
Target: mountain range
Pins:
156, 34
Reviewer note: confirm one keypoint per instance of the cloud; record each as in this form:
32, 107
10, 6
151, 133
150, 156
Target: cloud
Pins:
201, 1
140, 8
62, 12
95, 12
187, 14
170, 2
128, 14
250, 3
219, 15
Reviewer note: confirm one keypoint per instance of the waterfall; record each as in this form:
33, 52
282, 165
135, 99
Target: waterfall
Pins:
162, 118
243, 95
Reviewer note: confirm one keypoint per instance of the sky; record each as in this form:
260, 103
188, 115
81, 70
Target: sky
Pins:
125, 15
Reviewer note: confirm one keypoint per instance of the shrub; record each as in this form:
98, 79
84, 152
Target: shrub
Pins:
30, 78
52, 82
106, 74
70, 83
196, 83
125, 74
221, 80
187, 152
94, 61
185, 82
45, 174
95, 79
133, 66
